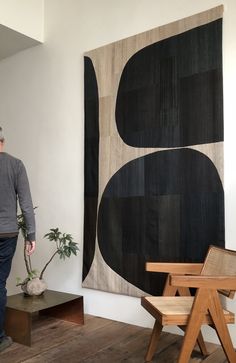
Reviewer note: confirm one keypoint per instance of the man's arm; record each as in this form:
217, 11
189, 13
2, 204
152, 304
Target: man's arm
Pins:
26, 205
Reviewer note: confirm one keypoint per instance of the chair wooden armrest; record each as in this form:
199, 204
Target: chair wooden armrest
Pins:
209, 282
184, 268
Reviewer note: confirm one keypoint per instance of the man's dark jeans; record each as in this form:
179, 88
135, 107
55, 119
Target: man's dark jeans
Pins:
7, 250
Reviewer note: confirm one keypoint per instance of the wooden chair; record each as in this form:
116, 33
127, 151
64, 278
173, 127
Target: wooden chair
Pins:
217, 275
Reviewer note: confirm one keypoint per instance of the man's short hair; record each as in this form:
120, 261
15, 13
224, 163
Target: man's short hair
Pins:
1, 135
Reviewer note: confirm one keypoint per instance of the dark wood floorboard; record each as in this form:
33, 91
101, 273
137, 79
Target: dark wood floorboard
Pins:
98, 341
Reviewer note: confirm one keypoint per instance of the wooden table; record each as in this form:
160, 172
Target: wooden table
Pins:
20, 309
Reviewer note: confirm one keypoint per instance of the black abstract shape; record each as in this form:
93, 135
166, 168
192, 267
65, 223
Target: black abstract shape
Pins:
166, 206
171, 94
91, 106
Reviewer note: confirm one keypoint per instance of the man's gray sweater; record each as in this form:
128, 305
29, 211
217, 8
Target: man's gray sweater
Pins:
14, 186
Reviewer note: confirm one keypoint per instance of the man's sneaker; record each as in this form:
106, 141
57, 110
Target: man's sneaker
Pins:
5, 343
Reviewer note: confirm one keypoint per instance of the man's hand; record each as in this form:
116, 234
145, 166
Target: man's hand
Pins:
30, 247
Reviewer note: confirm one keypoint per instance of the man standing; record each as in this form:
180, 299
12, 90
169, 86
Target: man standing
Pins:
14, 186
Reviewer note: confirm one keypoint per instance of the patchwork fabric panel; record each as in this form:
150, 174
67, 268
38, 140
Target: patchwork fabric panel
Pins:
153, 153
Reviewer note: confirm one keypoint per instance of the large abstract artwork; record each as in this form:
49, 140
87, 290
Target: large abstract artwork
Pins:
153, 153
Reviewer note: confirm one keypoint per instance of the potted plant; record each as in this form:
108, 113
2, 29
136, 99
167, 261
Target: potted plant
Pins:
34, 284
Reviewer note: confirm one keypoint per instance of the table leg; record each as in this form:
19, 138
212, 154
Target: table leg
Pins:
18, 326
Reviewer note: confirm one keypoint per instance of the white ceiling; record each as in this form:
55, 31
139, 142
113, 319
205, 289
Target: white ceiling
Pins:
12, 42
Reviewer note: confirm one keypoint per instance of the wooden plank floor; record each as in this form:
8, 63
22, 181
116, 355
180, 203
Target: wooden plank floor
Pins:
99, 340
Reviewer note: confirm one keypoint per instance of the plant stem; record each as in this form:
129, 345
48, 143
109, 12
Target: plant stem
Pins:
42, 272
29, 260
26, 261
20, 283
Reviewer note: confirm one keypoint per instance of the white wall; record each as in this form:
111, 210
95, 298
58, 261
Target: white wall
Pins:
24, 16
41, 93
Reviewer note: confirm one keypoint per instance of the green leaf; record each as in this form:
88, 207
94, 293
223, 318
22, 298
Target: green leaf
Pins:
18, 280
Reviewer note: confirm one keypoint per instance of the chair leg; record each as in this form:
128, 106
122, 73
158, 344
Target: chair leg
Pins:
194, 325
202, 345
156, 332
200, 342
221, 327
184, 291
